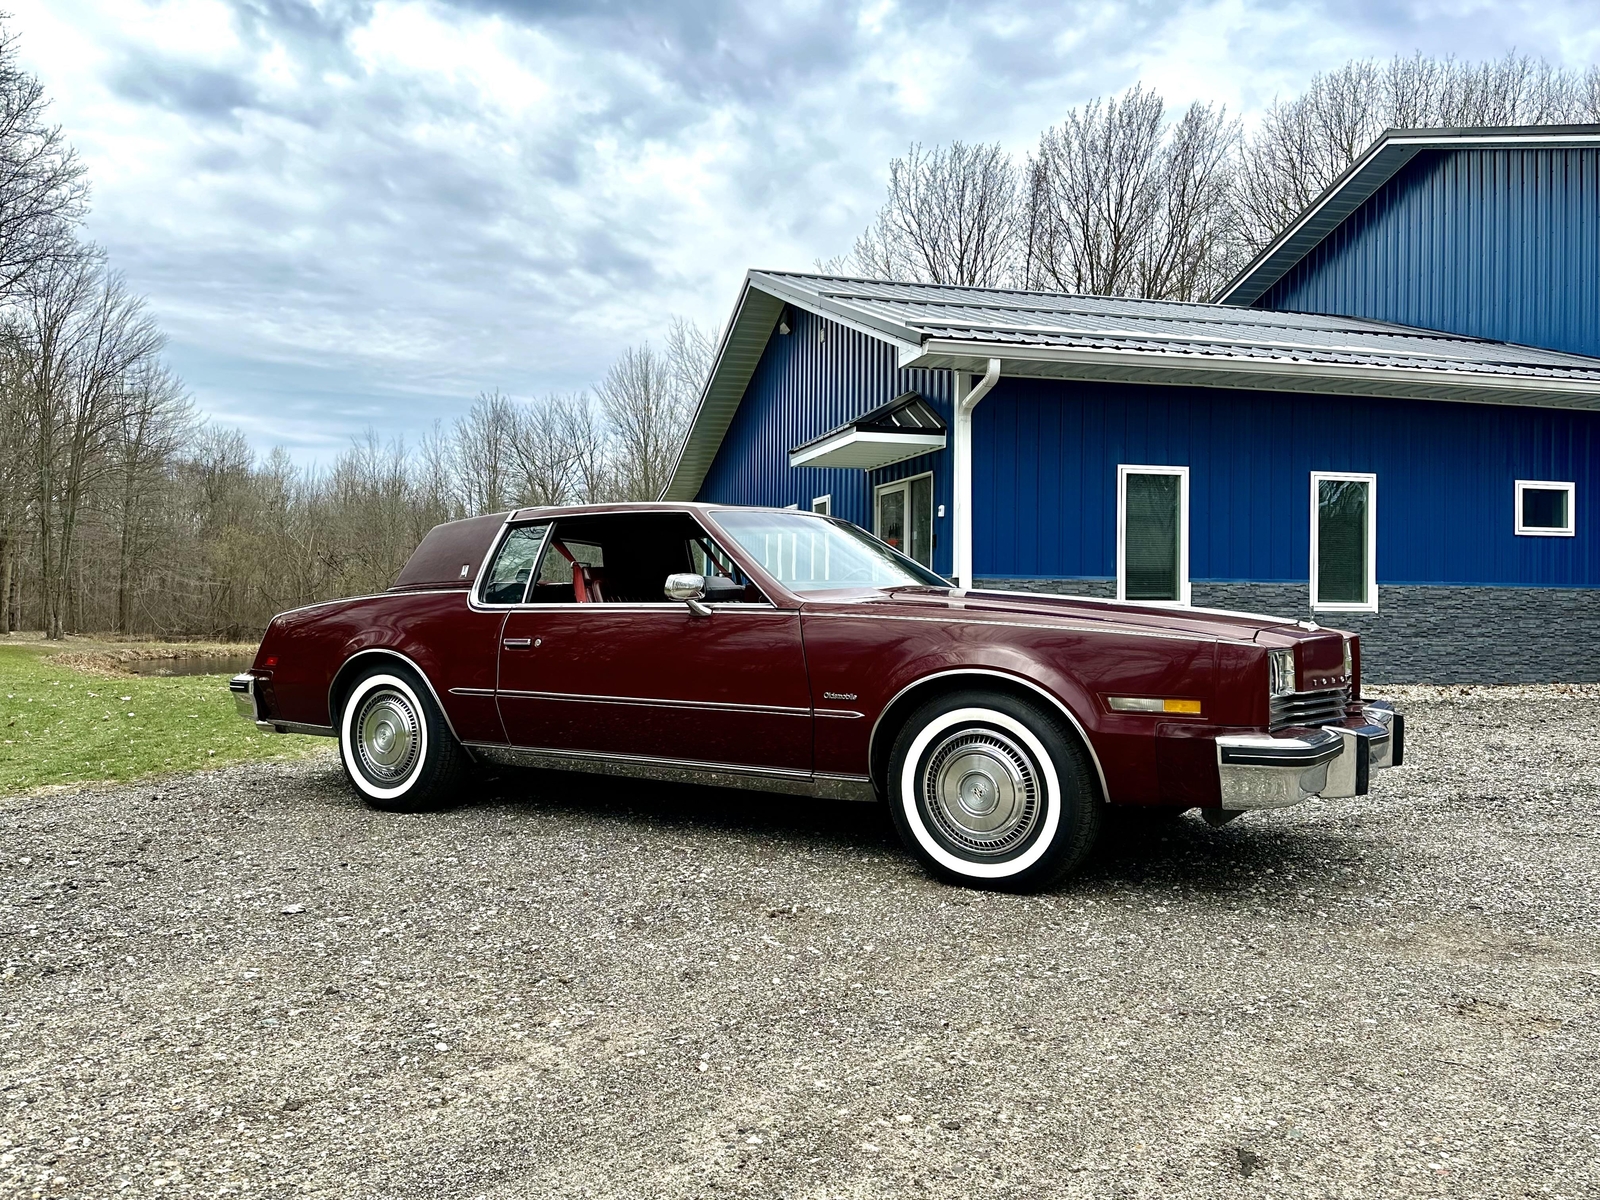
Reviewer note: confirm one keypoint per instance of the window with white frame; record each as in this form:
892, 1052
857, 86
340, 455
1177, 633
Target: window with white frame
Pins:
823, 505
1544, 508
1344, 541
903, 516
1153, 534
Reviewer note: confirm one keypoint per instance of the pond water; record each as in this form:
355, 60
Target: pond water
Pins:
191, 664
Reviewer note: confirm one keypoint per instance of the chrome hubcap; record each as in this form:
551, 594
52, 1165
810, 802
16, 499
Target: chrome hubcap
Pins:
388, 736
981, 790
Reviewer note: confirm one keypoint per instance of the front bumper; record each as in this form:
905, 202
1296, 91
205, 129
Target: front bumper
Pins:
1258, 770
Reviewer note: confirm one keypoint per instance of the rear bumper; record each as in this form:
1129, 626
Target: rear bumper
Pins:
243, 688
1258, 770
247, 697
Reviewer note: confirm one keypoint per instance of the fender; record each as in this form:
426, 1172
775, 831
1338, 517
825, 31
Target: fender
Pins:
389, 652
1055, 701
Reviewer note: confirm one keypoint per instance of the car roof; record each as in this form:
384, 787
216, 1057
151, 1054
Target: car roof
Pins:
643, 506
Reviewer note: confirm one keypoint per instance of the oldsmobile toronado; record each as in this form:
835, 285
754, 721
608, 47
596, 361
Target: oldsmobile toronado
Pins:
793, 652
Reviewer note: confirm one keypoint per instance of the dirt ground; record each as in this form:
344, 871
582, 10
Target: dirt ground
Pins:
243, 983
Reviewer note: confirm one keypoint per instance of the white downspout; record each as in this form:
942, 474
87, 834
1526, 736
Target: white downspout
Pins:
961, 484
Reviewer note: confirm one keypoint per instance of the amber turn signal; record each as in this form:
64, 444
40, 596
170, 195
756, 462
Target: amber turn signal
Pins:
1144, 704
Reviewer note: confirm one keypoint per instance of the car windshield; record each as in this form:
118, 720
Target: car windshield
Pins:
813, 553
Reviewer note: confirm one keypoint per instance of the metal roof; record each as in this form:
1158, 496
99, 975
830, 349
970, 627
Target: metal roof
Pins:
1119, 339
1382, 161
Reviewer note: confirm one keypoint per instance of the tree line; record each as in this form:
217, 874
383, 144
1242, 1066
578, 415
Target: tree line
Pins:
153, 522
122, 509
1125, 198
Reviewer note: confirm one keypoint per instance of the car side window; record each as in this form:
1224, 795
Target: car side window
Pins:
625, 558
506, 581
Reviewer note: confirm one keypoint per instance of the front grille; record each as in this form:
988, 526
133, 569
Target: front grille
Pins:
1324, 707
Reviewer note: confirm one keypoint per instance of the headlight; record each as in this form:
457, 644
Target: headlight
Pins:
1280, 672
1349, 660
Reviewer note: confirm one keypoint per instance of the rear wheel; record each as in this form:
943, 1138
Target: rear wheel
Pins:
990, 791
398, 753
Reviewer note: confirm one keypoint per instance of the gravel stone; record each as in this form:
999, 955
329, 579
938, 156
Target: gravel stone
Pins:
572, 987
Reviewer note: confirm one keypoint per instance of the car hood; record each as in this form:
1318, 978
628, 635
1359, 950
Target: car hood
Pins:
1198, 622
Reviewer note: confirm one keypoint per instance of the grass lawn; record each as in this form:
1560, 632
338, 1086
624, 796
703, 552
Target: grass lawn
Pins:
60, 725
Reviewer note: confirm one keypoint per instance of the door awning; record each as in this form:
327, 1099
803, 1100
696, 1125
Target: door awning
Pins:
903, 428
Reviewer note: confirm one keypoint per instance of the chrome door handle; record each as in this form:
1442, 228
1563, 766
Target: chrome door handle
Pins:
517, 643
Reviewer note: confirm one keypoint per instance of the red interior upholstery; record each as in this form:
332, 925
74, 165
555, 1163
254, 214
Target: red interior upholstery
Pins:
587, 584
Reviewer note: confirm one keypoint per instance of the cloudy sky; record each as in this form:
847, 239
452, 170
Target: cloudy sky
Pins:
353, 213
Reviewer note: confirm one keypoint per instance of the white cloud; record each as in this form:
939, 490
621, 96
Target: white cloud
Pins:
348, 211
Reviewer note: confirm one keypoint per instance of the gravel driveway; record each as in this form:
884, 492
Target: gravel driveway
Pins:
243, 983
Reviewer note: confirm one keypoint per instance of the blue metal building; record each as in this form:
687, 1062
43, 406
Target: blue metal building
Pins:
1352, 434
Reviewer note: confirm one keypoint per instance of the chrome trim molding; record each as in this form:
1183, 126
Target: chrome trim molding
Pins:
552, 516
1256, 770
651, 702
298, 727
243, 688
472, 691
1057, 702
821, 785
1381, 712
1351, 773
473, 602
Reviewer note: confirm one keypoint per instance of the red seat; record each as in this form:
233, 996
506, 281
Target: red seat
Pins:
587, 585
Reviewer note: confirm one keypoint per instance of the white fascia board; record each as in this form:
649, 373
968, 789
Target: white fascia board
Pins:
902, 337
866, 450
1159, 367
689, 467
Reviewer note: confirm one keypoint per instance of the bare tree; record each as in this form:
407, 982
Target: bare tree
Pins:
483, 459
151, 423
952, 215
42, 189
548, 442
80, 339
647, 418
689, 352
1122, 202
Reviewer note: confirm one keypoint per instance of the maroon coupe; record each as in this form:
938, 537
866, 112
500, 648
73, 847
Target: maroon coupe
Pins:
793, 652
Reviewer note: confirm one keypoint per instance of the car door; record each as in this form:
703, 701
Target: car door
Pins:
605, 665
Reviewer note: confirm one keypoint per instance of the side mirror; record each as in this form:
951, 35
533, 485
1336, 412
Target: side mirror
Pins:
691, 589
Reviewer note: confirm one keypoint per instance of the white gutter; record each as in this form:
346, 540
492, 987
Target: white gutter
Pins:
961, 490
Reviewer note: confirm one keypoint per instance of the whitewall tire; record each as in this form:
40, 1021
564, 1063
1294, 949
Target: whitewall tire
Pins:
991, 791
397, 751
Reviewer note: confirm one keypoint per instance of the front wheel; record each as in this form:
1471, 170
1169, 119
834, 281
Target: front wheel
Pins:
397, 751
989, 791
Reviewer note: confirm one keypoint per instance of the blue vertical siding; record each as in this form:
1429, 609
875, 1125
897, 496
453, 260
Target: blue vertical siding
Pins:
805, 385
1501, 244
1045, 456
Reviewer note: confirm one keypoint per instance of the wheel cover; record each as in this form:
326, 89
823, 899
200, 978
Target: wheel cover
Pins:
981, 791
388, 736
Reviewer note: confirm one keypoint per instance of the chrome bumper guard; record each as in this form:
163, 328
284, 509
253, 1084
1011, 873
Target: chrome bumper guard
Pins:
1264, 771
243, 688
